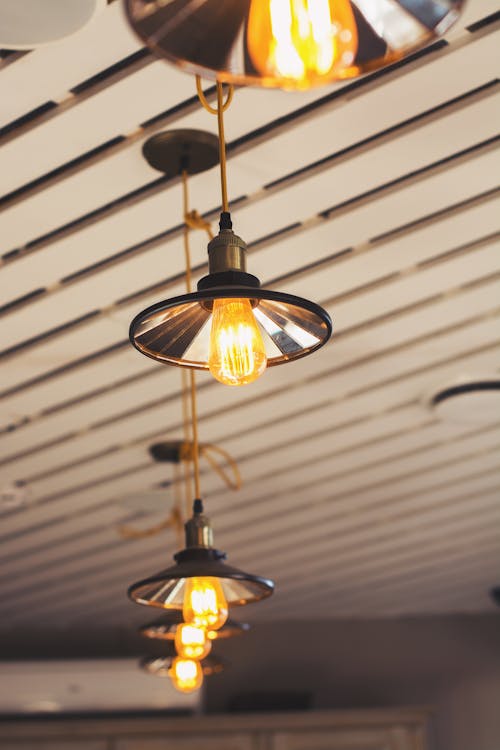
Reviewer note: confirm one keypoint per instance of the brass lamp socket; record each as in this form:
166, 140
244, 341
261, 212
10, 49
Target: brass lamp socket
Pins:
227, 260
227, 251
198, 529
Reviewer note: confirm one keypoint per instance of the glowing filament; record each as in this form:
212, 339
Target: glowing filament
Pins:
204, 603
307, 41
186, 674
191, 642
236, 354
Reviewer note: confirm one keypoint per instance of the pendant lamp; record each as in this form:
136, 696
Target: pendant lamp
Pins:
160, 666
230, 325
290, 44
28, 24
165, 628
200, 583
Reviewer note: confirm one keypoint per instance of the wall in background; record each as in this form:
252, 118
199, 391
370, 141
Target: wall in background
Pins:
449, 663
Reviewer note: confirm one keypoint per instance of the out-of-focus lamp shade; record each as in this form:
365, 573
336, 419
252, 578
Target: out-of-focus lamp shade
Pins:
165, 628
159, 666
292, 44
27, 24
166, 590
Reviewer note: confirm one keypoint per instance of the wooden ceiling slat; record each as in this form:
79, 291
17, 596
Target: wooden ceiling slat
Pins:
147, 420
267, 162
458, 526
84, 337
398, 157
59, 67
377, 198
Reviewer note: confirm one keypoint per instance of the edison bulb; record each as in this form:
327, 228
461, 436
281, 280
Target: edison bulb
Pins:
204, 603
186, 674
191, 642
237, 354
306, 41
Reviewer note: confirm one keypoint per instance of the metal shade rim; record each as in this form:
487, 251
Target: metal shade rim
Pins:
171, 620
210, 665
244, 78
229, 292
176, 572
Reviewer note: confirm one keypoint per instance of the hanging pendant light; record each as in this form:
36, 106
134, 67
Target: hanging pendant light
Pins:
161, 666
291, 44
230, 326
165, 628
201, 584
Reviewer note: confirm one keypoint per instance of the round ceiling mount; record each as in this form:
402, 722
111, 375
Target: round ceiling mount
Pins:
287, 43
27, 24
185, 150
468, 400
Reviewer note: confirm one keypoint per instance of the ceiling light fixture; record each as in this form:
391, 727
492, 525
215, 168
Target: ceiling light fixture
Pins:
230, 326
27, 24
200, 584
186, 674
165, 628
290, 44
468, 400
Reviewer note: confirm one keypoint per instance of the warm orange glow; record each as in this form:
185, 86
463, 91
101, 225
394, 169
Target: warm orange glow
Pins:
237, 354
204, 603
306, 41
191, 642
186, 674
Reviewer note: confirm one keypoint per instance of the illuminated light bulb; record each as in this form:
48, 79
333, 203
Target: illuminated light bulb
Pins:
186, 674
307, 41
237, 354
191, 642
204, 603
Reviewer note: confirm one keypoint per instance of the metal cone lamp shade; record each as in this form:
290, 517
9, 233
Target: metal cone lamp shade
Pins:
199, 560
292, 44
27, 24
178, 331
159, 666
165, 628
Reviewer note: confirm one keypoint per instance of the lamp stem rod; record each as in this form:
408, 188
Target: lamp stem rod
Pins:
219, 111
194, 411
222, 147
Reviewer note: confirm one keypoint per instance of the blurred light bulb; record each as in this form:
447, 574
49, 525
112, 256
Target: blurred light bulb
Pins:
237, 354
204, 603
191, 642
307, 41
186, 674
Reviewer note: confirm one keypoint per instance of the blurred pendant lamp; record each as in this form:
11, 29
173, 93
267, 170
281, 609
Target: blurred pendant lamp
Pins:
200, 583
290, 44
230, 326
27, 24
165, 628
186, 674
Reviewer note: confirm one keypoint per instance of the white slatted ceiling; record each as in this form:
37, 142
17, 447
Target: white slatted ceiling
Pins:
400, 156
341, 459
153, 419
53, 79
267, 162
359, 225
